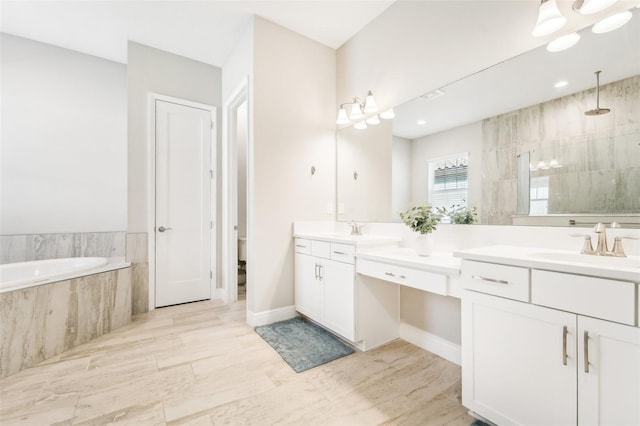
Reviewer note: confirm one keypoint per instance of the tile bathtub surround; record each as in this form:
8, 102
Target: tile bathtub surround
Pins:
41, 322
137, 253
23, 248
199, 363
600, 155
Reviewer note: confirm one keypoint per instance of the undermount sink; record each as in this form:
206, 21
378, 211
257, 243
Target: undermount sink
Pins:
611, 261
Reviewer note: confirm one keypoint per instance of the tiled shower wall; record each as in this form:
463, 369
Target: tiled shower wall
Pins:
23, 248
600, 154
138, 255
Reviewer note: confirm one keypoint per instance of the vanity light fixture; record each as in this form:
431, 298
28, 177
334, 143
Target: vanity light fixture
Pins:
421, 122
612, 22
388, 114
549, 20
587, 7
561, 84
554, 164
358, 109
564, 42
542, 165
374, 120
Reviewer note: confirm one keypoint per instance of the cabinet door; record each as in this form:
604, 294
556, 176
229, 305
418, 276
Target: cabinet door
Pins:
308, 289
609, 393
518, 361
339, 298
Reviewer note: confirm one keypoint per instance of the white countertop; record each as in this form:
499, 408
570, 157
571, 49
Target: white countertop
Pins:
441, 262
358, 240
627, 269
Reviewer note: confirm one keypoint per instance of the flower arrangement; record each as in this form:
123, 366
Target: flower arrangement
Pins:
459, 214
420, 218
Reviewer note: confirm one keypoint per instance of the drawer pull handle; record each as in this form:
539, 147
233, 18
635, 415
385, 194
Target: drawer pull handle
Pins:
586, 351
491, 280
565, 331
390, 274
301, 246
338, 252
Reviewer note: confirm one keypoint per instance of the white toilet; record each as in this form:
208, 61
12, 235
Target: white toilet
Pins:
242, 249
242, 259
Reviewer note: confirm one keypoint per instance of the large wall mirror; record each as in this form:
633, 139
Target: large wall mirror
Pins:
512, 133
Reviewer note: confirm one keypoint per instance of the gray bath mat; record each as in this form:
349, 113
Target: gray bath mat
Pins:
302, 344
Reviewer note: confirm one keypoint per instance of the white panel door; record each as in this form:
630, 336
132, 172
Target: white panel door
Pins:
518, 362
183, 203
609, 392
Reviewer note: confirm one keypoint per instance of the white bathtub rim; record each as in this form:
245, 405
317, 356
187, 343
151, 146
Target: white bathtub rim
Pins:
110, 264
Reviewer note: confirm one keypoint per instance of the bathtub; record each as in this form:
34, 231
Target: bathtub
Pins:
50, 306
16, 276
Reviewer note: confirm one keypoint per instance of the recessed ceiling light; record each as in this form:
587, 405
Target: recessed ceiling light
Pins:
612, 22
560, 84
421, 122
564, 42
432, 95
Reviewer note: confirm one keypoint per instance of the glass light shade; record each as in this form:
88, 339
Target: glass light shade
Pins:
373, 120
360, 125
388, 114
554, 164
370, 104
356, 111
564, 42
342, 117
612, 22
595, 6
550, 19
542, 165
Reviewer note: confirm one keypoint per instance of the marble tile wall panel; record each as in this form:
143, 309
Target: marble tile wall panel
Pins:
600, 155
22, 248
41, 322
137, 254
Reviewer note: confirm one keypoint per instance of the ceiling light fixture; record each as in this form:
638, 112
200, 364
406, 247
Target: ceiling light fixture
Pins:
561, 84
563, 43
432, 95
549, 20
421, 122
587, 7
612, 22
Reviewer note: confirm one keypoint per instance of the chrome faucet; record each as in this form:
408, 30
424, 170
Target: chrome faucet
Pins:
602, 248
355, 228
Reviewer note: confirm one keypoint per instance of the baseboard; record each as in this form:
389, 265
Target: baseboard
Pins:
432, 343
255, 319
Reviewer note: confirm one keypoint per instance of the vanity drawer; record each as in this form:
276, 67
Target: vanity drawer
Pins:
422, 280
511, 282
303, 246
596, 297
321, 249
343, 252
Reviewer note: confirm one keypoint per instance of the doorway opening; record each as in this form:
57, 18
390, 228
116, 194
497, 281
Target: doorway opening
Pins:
236, 218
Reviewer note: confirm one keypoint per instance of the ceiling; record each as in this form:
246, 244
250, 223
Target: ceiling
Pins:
205, 30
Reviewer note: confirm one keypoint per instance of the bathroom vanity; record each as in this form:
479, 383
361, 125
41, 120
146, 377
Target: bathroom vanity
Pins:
550, 337
350, 284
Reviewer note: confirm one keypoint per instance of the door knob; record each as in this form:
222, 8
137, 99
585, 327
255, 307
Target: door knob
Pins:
162, 229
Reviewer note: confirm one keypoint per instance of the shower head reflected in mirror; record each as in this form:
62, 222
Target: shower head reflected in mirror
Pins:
597, 110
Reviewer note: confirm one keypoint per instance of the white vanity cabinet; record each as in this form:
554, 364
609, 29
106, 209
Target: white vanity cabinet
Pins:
325, 284
538, 355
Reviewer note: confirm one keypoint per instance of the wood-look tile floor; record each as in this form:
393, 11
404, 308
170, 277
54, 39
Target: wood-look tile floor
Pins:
200, 364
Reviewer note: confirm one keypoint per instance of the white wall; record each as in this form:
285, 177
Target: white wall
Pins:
152, 70
461, 139
64, 141
293, 124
